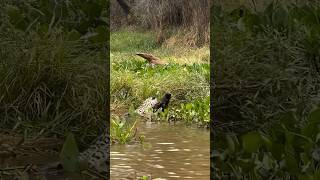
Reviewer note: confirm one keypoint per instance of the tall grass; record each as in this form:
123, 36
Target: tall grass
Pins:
52, 80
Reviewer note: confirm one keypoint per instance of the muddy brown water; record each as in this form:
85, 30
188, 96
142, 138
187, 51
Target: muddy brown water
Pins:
169, 152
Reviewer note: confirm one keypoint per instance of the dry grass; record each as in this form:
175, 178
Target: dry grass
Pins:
190, 17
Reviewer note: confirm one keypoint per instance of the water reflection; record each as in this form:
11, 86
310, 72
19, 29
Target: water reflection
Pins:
175, 152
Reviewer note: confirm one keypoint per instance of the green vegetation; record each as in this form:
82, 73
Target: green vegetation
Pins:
290, 149
53, 69
123, 130
266, 82
132, 81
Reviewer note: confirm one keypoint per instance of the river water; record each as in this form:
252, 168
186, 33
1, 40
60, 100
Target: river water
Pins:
168, 152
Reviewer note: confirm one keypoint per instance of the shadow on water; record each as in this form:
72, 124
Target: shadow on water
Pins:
168, 152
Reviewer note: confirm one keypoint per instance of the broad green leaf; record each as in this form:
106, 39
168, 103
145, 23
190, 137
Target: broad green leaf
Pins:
144, 178
189, 106
231, 144
314, 116
277, 150
292, 164
69, 154
251, 142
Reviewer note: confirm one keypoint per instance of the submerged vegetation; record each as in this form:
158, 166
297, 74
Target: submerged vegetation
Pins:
266, 83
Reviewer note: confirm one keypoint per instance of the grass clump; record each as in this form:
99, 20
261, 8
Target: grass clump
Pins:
53, 76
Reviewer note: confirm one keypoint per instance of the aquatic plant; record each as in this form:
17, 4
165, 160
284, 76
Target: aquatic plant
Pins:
123, 129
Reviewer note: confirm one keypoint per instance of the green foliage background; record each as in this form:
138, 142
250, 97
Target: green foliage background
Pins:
266, 85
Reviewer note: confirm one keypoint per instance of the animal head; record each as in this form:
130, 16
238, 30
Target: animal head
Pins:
167, 96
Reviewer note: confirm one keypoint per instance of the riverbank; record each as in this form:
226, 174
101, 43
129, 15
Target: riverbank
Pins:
186, 77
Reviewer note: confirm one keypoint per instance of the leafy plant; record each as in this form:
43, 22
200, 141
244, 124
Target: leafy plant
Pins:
197, 112
144, 177
123, 130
